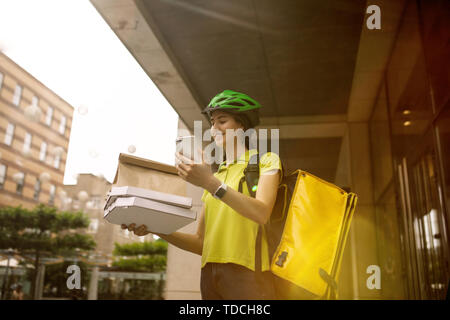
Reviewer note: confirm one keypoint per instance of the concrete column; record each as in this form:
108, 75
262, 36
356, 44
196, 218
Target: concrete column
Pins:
363, 240
93, 284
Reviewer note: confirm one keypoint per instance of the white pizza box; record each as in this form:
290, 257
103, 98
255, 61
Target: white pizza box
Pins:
130, 191
157, 216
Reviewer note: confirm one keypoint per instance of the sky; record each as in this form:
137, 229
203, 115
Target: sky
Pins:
70, 48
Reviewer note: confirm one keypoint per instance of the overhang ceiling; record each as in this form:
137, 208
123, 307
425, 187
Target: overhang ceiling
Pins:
294, 57
311, 64
318, 156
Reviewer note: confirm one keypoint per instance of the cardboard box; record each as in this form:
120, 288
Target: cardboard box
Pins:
149, 192
128, 191
147, 174
157, 216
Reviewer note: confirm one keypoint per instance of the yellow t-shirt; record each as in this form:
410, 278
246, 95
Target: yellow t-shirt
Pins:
231, 237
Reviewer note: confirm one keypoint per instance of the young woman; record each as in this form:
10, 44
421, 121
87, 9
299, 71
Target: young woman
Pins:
229, 220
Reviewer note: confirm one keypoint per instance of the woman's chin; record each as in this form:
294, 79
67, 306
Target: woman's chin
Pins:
219, 142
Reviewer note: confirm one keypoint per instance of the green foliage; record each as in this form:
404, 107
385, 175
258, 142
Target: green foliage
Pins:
141, 256
39, 229
154, 263
41, 217
141, 248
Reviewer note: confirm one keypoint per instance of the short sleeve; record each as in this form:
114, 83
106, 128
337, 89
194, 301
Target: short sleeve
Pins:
270, 161
205, 193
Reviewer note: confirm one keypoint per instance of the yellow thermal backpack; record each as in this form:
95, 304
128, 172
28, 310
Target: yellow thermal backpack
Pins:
306, 233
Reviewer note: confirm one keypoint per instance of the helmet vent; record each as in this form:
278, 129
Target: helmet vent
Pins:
236, 104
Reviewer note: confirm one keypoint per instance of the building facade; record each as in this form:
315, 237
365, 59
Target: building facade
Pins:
104, 233
33, 145
409, 132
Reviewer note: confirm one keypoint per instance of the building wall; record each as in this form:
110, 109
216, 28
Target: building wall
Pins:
104, 233
409, 169
12, 75
398, 168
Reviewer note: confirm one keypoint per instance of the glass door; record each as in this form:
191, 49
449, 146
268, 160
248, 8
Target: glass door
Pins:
425, 225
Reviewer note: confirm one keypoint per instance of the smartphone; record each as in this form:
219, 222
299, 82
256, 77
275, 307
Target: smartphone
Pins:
186, 146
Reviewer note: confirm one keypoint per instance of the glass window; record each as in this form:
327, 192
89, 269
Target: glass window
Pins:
443, 135
2, 175
408, 93
49, 116
76, 205
411, 105
386, 214
43, 151
380, 142
435, 17
27, 142
57, 161
34, 101
62, 125
96, 202
429, 215
20, 184
9, 134
51, 200
93, 226
389, 245
37, 189
17, 95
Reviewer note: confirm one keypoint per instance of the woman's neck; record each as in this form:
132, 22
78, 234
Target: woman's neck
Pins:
234, 152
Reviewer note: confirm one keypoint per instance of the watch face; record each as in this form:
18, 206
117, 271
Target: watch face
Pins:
220, 192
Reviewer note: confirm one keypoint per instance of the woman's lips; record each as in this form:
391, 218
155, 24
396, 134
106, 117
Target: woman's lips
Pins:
217, 133
218, 138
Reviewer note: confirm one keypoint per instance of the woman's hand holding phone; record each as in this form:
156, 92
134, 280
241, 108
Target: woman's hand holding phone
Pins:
198, 174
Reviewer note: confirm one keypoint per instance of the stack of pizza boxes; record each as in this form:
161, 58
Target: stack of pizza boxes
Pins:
150, 193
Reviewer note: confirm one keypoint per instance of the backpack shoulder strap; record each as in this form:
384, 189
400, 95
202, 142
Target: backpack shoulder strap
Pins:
251, 175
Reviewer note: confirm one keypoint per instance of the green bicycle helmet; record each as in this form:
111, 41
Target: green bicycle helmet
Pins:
235, 103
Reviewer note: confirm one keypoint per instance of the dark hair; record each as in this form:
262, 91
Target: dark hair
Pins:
245, 122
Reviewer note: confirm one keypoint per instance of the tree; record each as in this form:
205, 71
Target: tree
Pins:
142, 257
41, 231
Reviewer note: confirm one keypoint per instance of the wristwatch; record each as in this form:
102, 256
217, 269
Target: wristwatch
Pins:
220, 192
